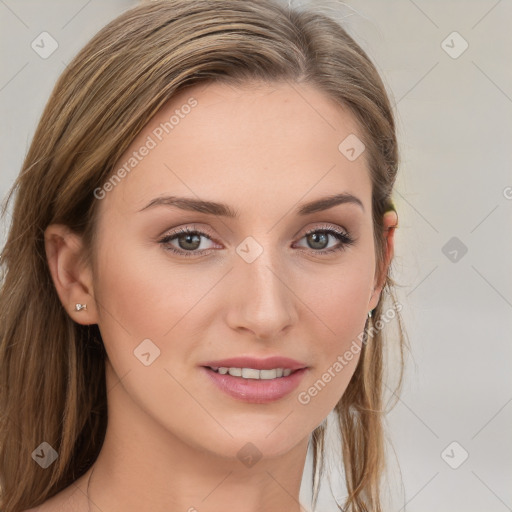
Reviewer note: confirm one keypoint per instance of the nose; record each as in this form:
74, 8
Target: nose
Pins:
262, 301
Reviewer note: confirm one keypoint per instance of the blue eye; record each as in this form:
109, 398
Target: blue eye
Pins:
189, 241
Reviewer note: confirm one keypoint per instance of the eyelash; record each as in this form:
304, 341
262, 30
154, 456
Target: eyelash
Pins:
345, 239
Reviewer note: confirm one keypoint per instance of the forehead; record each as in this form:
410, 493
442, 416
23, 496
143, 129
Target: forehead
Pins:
260, 142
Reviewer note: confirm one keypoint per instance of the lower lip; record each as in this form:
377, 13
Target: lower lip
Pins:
257, 391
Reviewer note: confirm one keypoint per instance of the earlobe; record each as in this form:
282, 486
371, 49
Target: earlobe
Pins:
71, 277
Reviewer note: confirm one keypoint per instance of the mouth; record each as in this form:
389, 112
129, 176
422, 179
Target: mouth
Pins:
253, 373
253, 385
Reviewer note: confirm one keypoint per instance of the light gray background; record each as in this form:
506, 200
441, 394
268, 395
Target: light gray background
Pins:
455, 127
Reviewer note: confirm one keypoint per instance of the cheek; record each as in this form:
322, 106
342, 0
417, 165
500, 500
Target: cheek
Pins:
348, 304
338, 297
146, 306
339, 304
141, 295
139, 290
127, 293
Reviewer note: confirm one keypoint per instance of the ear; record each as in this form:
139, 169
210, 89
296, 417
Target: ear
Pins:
71, 277
390, 224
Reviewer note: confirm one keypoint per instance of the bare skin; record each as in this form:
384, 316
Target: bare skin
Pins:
173, 437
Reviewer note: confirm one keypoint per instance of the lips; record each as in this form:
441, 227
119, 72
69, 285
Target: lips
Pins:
255, 390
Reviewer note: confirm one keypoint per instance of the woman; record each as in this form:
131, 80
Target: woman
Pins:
197, 267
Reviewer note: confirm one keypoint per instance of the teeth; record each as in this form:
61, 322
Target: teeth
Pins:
268, 374
253, 373
247, 373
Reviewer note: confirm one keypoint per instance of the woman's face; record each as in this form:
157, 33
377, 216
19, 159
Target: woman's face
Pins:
252, 284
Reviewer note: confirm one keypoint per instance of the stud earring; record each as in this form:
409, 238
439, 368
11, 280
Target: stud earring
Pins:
79, 307
370, 313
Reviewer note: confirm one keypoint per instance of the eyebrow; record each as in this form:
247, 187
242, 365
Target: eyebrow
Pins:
224, 210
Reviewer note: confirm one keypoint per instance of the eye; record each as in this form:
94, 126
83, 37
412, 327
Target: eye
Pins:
188, 241
318, 238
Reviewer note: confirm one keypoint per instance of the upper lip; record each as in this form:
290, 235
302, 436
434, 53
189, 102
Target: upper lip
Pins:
267, 363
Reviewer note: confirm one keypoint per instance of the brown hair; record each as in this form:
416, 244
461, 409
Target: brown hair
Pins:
52, 382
